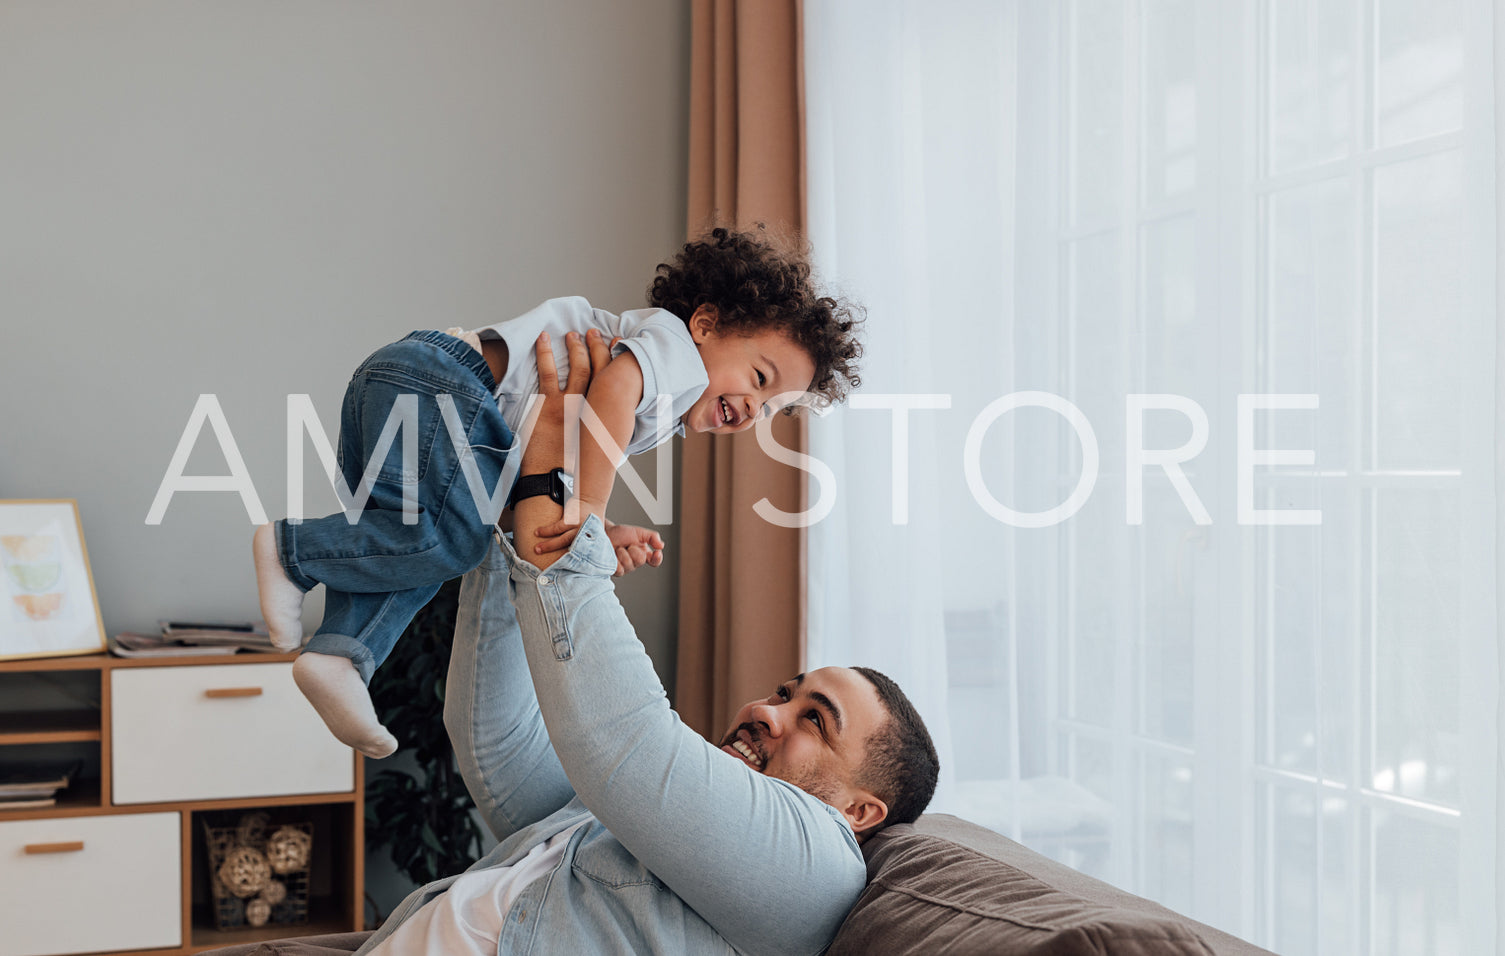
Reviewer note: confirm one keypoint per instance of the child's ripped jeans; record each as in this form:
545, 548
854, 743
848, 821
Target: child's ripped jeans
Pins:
379, 571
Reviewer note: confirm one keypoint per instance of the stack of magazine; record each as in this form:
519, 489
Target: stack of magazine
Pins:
193, 638
34, 785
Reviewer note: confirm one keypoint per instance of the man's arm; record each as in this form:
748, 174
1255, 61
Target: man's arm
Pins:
770, 867
501, 746
545, 448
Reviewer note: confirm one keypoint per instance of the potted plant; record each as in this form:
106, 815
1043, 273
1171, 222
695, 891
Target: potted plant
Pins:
424, 817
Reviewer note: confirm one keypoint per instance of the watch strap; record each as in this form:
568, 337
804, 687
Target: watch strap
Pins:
551, 483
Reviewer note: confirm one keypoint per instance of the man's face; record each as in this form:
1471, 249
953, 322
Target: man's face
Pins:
812, 731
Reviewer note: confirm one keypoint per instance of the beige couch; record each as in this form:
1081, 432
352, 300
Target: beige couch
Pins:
946, 886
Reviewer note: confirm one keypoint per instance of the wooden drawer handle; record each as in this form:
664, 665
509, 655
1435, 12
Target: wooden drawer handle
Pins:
35, 848
233, 692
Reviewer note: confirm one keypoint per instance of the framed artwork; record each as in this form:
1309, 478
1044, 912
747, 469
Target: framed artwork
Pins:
50, 608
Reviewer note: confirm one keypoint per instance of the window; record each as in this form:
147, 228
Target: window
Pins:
1285, 731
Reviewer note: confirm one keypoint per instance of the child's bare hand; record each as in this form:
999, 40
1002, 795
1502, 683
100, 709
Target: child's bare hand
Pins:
635, 547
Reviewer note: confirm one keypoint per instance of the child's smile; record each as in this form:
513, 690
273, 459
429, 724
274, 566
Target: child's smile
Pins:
747, 374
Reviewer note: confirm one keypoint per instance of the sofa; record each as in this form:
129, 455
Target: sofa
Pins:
946, 886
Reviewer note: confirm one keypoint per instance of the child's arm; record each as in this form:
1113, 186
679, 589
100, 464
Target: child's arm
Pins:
613, 396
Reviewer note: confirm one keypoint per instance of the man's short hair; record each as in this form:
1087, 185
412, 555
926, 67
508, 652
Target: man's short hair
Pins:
901, 767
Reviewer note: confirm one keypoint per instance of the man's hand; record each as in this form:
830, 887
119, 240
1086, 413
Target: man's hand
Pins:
544, 445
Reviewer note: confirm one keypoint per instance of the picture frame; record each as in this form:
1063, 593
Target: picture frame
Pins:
48, 606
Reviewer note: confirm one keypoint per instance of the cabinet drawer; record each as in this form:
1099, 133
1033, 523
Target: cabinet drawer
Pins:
81, 884
216, 732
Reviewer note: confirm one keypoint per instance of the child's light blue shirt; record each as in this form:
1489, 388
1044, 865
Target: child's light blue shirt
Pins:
658, 339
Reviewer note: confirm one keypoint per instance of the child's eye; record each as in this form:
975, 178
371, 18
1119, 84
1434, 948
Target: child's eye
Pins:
761, 380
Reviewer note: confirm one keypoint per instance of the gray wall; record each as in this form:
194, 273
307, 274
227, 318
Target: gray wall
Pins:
246, 198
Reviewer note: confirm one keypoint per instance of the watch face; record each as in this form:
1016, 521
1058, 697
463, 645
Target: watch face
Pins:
561, 485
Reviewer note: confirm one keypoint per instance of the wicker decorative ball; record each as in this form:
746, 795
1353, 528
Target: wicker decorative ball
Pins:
287, 849
274, 892
258, 911
244, 872
252, 828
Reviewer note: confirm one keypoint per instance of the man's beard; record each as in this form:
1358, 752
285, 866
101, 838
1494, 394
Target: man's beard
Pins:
819, 784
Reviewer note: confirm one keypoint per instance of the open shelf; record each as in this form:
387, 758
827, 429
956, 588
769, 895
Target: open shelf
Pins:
325, 915
49, 727
335, 894
80, 799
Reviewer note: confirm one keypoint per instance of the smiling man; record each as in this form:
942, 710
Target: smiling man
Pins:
870, 756
623, 831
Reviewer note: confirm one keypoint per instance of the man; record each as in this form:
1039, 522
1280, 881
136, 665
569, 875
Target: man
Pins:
622, 831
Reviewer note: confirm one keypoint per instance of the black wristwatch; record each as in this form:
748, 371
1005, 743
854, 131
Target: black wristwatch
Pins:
557, 484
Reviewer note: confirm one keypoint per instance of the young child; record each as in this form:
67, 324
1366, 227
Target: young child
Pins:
734, 327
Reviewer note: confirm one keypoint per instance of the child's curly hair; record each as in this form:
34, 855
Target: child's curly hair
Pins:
755, 284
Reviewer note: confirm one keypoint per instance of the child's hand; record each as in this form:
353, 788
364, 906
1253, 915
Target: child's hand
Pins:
635, 547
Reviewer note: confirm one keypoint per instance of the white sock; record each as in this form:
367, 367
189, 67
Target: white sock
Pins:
334, 687
281, 599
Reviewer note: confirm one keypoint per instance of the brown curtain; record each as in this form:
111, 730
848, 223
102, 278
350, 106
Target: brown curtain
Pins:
741, 608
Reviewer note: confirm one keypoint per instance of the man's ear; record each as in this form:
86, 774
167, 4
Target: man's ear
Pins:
864, 812
703, 323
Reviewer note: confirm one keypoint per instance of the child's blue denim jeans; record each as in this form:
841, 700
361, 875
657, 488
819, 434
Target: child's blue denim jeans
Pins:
380, 571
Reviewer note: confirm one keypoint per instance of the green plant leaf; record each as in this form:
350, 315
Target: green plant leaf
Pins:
424, 821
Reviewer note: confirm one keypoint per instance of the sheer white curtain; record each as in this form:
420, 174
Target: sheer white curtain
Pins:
1147, 209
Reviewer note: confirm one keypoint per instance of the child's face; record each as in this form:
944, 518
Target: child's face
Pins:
747, 372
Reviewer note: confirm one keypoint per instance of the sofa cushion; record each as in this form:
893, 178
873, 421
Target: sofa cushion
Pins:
927, 894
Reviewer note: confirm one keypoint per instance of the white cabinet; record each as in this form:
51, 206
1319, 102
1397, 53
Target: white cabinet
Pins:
77, 884
165, 747
219, 731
